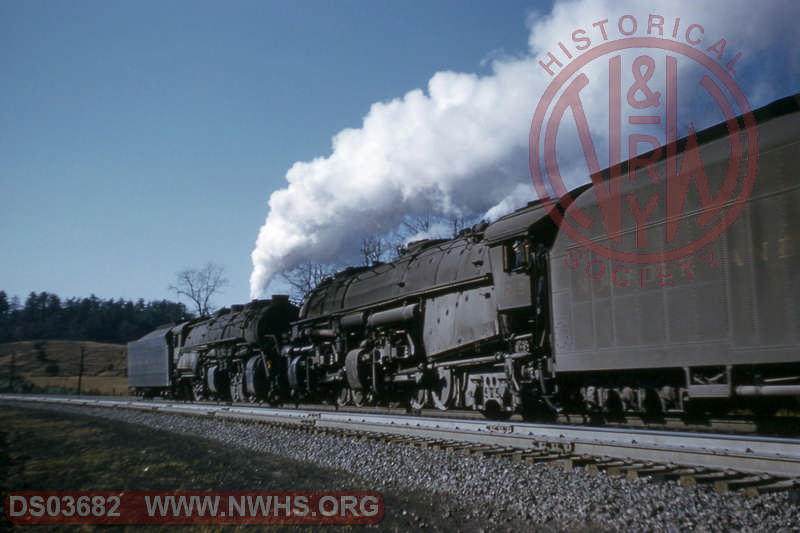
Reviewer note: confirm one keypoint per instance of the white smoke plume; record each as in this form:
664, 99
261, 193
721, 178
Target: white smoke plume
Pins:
460, 147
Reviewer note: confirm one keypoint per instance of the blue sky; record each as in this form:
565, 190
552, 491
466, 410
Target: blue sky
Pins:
141, 138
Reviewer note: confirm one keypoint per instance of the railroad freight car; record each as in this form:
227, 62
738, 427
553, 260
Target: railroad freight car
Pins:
721, 323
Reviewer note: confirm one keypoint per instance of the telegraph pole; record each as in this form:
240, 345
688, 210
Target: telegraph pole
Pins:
80, 371
11, 372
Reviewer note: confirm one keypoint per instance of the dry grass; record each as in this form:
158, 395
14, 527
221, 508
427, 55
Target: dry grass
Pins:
53, 450
55, 365
113, 386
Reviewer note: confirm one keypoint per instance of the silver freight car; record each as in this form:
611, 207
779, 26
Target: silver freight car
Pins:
718, 323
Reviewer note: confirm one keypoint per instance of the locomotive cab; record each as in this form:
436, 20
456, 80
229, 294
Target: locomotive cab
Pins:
519, 245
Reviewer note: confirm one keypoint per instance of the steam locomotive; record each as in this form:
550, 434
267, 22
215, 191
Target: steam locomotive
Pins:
518, 316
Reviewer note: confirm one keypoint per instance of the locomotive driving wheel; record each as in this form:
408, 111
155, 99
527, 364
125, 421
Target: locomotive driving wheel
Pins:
443, 389
420, 397
358, 397
238, 389
198, 390
343, 396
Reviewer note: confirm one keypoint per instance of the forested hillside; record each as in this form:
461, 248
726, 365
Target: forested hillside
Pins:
47, 316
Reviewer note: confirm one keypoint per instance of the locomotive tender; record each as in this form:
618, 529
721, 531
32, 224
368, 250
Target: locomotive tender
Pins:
515, 315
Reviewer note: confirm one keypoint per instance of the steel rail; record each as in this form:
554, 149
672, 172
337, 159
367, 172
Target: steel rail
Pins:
775, 456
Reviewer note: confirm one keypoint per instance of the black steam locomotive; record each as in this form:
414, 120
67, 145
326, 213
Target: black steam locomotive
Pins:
515, 315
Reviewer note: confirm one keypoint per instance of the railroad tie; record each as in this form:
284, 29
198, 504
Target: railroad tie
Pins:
656, 472
725, 485
393, 439
573, 461
427, 442
677, 474
624, 469
710, 477
480, 451
530, 458
455, 445
791, 485
602, 466
508, 453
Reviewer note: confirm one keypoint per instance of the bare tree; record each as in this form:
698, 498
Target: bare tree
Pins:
304, 277
200, 285
374, 248
423, 224
418, 224
461, 223
426, 224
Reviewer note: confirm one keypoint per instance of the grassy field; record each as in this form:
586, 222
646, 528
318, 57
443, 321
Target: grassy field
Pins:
44, 450
54, 366
41, 450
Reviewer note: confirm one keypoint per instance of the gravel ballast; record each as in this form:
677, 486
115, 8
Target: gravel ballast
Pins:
500, 494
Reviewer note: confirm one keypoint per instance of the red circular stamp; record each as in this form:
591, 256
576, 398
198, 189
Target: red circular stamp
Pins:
642, 76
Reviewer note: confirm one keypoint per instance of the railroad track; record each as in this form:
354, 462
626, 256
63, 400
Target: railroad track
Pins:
755, 464
788, 426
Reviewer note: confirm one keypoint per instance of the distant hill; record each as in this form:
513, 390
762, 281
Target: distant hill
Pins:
46, 316
53, 366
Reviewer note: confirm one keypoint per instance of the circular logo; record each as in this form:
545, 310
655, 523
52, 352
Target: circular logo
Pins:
642, 97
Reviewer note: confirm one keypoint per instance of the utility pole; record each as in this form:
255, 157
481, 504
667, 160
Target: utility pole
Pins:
11, 372
80, 371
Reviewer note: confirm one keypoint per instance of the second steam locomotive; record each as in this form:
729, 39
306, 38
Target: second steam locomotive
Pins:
516, 316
